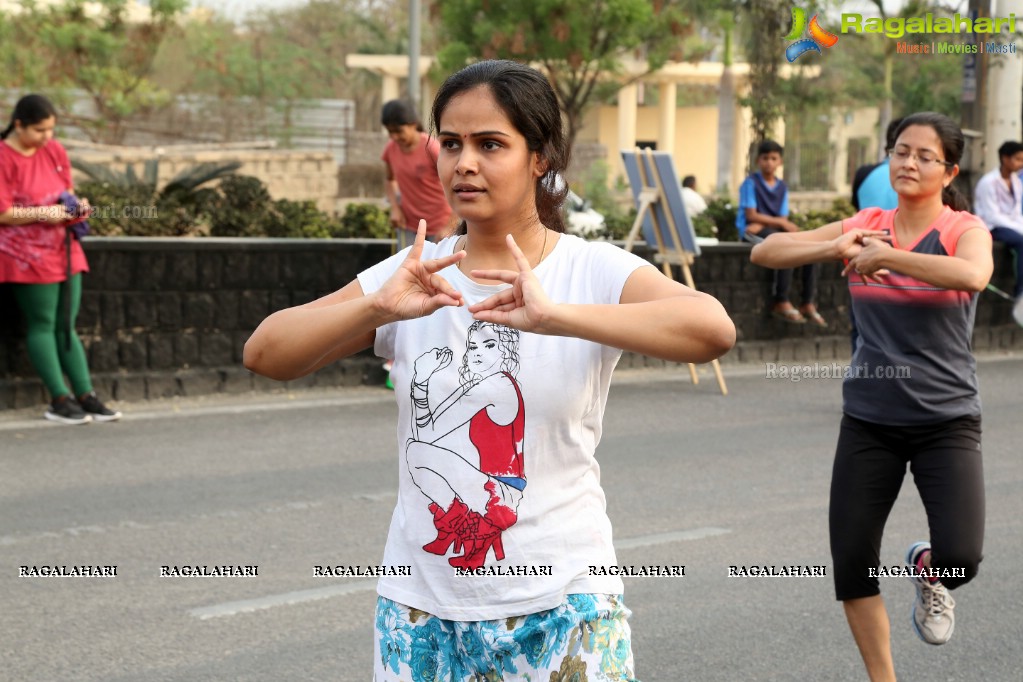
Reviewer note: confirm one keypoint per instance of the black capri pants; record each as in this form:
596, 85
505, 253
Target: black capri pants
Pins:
870, 463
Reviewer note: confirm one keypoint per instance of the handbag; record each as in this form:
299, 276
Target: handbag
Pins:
79, 227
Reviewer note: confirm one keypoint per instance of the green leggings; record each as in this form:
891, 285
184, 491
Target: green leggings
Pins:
43, 307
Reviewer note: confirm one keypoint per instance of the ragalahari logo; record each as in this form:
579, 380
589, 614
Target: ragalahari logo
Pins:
818, 36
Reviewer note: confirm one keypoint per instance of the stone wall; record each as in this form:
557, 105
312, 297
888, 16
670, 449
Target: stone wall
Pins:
169, 317
364, 147
287, 173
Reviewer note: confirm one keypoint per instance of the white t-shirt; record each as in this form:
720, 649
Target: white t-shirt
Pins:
518, 430
695, 204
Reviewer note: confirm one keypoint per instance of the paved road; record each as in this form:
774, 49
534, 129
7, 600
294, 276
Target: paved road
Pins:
290, 482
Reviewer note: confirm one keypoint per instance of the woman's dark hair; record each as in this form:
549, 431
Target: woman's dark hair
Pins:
29, 110
528, 99
399, 112
952, 144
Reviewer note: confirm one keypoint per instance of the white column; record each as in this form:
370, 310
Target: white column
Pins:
390, 88
1004, 101
667, 93
627, 117
427, 95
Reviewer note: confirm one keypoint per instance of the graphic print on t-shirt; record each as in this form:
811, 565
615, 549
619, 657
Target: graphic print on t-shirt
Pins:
466, 453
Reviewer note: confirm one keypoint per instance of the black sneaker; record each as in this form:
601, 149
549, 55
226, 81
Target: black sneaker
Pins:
66, 410
98, 411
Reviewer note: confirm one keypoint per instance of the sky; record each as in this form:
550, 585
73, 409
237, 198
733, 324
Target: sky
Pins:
237, 9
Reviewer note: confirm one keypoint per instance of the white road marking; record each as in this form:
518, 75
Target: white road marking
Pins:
301, 596
232, 608
671, 536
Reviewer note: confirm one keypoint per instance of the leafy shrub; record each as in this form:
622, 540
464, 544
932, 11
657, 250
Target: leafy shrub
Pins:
609, 201
704, 226
368, 221
241, 209
240, 206
134, 211
841, 208
721, 211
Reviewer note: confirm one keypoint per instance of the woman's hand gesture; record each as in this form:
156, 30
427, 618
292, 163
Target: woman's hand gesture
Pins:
415, 289
868, 263
524, 305
849, 244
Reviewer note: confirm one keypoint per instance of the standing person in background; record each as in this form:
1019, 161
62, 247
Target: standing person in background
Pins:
763, 211
872, 185
412, 186
497, 449
694, 203
42, 261
998, 201
912, 399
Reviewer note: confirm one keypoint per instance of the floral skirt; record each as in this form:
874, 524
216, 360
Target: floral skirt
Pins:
586, 639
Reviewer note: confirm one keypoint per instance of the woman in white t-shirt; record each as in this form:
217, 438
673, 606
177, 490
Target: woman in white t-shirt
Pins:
572, 307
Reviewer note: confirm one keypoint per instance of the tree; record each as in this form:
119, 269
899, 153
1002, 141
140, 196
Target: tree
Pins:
579, 43
765, 23
276, 59
71, 46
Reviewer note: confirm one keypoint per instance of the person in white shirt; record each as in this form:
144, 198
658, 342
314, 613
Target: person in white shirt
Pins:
500, 515
695, 204
998, 201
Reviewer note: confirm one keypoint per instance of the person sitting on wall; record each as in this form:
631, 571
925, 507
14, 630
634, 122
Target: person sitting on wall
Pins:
763, 211
998, 201
695, 204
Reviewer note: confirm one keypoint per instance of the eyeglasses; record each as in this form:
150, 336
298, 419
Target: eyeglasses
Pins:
925, 159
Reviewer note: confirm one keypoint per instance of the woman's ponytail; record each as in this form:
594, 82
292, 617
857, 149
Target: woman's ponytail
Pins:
954, 199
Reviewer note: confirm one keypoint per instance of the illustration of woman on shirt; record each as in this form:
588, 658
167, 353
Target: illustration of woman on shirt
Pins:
474, 496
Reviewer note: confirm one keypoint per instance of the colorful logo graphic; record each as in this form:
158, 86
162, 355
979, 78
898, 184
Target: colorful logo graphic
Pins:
818, 36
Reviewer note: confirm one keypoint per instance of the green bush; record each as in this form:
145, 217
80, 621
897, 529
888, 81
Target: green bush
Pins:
840, 209
704, 226
368, 221
239, 207
721, 211
608, 201
134, 211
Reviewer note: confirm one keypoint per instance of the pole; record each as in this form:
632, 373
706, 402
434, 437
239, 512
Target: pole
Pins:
414, 33
1004, 93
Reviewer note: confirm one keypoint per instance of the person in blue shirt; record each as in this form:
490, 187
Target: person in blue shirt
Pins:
763, 211
872, 185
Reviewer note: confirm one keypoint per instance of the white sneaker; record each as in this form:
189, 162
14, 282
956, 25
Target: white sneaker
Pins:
933, 611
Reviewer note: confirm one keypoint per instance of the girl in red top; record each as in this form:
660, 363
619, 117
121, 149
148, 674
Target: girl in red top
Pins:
412, 185
41, 260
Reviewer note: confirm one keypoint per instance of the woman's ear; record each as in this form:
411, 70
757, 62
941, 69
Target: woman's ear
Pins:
540, 165
951, 174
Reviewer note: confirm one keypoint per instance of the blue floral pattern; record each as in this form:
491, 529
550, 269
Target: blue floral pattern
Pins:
586, 639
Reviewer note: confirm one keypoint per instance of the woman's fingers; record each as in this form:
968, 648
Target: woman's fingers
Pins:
520, 258
506, 276
505, 297
417, 247
442, 286
438, 264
